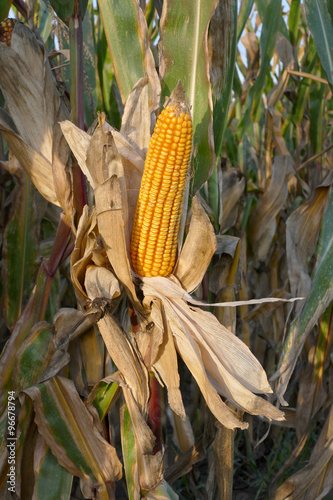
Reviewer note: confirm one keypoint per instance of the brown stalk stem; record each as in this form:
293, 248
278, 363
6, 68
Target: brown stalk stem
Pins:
77, 100
154, 411
59, 251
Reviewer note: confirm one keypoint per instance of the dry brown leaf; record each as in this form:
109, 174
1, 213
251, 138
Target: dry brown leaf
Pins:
233, 186
263, 219
36, 110
198, 249
135, 123
86, 251
166, 364
302, 230
35, 165
126, 359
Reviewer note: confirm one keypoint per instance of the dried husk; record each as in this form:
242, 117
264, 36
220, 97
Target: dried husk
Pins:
198, 249
219, 361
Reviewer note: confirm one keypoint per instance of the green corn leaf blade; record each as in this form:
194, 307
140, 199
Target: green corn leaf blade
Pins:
317, 112
21, 250
243, 16
223, 26
261, 6
65, 8
29, 317
330, 8
69, 431
129, 453
103, 396
52, 481
33, 356
294, 20
320, 296
185, 57
222, 91
89, 71
270, 29
304, 86
127, 37
301, 100
271, 15
4, 8
320, 24
106, 80
45, 22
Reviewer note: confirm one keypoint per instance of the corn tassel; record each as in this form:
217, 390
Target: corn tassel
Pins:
158, 212
6, 30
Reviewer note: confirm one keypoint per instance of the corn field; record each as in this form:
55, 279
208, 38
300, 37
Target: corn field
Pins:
166, 243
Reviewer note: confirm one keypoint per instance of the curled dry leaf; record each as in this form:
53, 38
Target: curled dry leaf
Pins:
217, 359
88, 250
36, 111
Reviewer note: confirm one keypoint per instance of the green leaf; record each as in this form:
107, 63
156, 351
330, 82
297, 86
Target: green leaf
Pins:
106, 80
221, 95
45, 22
33, 356
293, 20
52, 481
185, 57
89, 69
103, 396
21, 249
317, 112
68, 429
29, 317
243, 16
65, 8
129, 452
319, 22
270, 29
4, 8
127, 36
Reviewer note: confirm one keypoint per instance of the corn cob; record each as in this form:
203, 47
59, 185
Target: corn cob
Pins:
6, 30
159, 207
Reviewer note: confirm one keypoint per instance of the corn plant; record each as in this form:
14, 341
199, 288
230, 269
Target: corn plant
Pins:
166, 249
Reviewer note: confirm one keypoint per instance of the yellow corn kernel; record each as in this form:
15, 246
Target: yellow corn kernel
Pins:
6, 30
158, 212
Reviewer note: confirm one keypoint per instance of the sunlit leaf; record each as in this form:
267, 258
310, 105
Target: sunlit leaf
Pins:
320, 25
185, 57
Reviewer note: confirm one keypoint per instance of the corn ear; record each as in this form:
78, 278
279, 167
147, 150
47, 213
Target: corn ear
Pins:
156, 223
